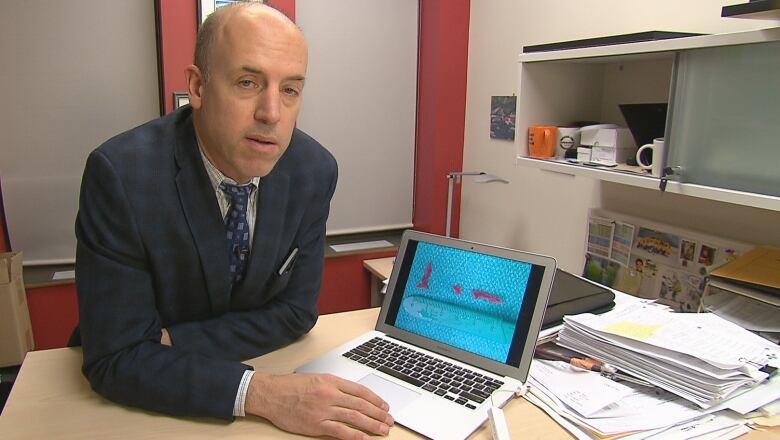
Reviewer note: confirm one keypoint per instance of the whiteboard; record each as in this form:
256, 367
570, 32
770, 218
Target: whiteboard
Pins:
73, 74
360, 102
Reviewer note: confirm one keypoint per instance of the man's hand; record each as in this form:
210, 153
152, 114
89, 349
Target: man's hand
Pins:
316, 405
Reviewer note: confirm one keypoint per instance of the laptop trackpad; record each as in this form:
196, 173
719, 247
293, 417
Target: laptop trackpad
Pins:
395, 395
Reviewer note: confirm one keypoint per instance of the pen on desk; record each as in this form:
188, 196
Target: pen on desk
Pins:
590, 364
610, 372
543, 352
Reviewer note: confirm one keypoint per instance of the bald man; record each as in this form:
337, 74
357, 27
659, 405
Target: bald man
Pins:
201, 241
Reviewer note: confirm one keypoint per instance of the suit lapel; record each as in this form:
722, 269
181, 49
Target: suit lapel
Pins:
202, 213
270, 218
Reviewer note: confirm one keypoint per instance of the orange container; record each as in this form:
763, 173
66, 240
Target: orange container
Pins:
541, 141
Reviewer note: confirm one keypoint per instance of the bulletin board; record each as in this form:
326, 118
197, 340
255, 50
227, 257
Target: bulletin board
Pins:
654, 260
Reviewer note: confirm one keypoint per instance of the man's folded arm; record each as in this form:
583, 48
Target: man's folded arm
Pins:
285, 317
120, 327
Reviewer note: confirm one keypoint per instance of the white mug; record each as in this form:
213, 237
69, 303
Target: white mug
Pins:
568, 139
656, 166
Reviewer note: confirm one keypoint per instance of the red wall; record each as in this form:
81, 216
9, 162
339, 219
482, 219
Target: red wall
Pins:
346, 284
5, 242
441, 110
286, 6
5, 246
54, 313
176, 28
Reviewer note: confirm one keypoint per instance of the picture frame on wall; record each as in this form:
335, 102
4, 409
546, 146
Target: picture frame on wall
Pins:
180, 99
206, 7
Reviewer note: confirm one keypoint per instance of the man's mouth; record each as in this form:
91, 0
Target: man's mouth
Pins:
262, 143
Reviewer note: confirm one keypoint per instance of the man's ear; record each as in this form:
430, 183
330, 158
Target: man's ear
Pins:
194, 85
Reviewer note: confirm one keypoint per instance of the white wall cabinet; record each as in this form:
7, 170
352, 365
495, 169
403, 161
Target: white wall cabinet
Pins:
723, 123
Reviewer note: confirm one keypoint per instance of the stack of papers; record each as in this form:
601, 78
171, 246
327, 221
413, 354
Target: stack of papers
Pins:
700, 357
593, 407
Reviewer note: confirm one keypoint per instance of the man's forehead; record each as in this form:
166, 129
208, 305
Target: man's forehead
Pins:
269, 36
243, 23
260, 71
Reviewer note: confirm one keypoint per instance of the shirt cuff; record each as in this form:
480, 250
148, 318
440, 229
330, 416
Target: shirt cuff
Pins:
243, 387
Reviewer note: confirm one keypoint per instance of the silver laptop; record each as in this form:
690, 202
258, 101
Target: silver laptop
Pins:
455, 335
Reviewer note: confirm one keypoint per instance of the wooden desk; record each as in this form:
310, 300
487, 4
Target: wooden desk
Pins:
380, 269
51, 399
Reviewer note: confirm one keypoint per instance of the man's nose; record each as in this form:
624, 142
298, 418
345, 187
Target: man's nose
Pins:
268, 106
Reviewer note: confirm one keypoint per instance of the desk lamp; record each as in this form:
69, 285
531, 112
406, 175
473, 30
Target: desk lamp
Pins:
455, 177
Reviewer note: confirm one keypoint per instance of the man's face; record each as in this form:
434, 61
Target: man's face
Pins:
245, 112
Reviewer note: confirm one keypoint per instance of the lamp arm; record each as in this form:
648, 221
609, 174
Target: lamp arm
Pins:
455, 177
464, 173
450, 188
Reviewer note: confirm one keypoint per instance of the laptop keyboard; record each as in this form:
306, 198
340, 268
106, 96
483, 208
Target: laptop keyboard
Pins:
444, 379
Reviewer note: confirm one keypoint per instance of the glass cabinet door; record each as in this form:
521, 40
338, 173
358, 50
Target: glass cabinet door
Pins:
724, 128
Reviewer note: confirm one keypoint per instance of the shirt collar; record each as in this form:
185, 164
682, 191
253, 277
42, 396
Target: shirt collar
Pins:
215, 175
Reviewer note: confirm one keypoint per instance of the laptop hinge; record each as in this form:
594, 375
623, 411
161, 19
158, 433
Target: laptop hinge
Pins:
520, 388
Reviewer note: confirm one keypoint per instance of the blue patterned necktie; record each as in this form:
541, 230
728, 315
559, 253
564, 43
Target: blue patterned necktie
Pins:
237, 229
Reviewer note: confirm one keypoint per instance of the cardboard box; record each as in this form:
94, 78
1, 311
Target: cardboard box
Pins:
610, 145
15, 330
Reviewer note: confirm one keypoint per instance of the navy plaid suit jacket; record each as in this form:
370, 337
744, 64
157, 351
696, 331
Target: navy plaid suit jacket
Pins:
151, 254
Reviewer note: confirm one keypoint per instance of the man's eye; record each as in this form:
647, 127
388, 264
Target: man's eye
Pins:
246, 83
291, 91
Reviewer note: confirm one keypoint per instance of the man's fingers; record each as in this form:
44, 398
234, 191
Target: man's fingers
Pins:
341, 431
357, 390
358, 420
361, 408
365, 408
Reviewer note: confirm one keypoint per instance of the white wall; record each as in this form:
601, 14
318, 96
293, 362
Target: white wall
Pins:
72, 75
546, 212
348, 107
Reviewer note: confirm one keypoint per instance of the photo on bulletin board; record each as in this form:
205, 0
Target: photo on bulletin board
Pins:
180, 99
206, 7
502, 117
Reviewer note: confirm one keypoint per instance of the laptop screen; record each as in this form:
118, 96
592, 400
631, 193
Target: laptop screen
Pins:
479, 303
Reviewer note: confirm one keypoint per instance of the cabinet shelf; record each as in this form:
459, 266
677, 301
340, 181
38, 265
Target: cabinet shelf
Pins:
719, 88
651, 49
755, 9
626, 176
636, 179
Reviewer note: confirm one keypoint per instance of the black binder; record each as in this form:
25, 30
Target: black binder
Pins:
572, 295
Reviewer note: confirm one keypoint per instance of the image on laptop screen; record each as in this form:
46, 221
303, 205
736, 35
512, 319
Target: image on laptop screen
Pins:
464, 299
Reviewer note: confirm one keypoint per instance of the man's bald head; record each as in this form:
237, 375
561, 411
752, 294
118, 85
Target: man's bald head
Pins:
213, 27
246, 88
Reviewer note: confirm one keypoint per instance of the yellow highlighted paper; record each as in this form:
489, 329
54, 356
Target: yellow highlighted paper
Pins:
633, 330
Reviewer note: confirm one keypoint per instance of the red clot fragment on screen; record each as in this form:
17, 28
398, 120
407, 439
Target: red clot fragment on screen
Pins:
480, 294
423, 284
